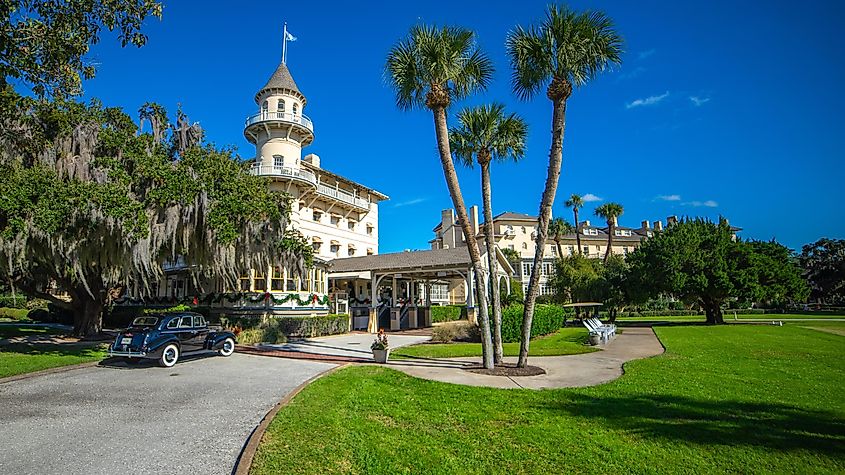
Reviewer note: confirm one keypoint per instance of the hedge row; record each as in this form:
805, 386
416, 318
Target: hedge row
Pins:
448, 313
692, 313
278, 329
547, 319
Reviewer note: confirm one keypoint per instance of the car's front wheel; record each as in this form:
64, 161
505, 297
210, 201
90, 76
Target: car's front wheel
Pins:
228, 347
169, 356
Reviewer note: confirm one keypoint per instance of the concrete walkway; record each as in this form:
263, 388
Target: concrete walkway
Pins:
571, 371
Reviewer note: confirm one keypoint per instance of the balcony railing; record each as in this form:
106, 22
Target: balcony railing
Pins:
269, 170
280, 117
342, 195
305, 175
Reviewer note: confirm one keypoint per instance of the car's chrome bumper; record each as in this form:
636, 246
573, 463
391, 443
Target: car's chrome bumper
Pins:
128, 354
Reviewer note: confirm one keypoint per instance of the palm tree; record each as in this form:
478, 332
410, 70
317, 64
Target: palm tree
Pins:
487, 134
565, 51
430, 68
576, 202
611, 213
558, 228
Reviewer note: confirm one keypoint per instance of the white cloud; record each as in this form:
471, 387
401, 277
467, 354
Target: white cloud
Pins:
697, 101
669, 198
708, 203
648, 101
589, 197
414, 201
645, 54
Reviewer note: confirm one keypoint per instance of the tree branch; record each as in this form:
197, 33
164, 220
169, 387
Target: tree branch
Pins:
30, 290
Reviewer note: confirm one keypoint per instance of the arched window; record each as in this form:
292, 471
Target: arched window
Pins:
280, 107
295, 108
264, 107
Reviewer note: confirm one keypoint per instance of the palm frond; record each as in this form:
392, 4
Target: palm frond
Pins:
447, 57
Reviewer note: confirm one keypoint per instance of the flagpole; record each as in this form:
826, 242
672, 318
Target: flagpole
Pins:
285, 44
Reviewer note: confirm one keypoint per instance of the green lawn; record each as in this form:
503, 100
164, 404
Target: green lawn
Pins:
567, 341
738, 399
730, 317
22, 358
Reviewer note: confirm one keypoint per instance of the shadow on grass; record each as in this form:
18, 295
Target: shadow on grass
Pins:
774, 426
54, 349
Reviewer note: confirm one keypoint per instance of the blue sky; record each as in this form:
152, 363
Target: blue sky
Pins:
731, 108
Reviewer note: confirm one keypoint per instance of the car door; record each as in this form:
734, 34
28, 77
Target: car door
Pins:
187, 334
201, 329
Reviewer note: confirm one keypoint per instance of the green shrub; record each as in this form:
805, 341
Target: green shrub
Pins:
547, 319
263, 334
448, 313
10, 301
13, 313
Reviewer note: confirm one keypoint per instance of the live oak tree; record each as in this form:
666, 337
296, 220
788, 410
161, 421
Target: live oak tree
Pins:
90, 207
431, 68
565, 51
824, 268
44, 43
486, 134
699, 261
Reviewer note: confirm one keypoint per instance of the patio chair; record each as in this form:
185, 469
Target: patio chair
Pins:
605, 333
598, 323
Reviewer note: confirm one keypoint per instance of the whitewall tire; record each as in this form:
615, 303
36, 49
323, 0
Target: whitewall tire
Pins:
169, 356
228, 347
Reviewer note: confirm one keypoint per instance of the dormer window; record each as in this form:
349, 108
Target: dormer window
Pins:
280, 106
591, 231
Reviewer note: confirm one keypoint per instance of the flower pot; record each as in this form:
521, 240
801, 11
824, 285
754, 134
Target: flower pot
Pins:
381, 355
595, 339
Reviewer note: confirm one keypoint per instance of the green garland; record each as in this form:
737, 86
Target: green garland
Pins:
233, 297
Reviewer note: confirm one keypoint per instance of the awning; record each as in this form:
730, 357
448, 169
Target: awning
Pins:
335, 243
351, 246
316, 239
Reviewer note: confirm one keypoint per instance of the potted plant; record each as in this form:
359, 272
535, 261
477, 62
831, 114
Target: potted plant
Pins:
380, 347
595, 338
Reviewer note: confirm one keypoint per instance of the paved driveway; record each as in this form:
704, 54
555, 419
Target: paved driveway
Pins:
192, 418
354, 346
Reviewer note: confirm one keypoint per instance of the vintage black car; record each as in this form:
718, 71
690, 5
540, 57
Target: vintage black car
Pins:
166, 337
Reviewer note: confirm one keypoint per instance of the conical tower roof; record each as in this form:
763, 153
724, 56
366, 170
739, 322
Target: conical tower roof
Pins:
281, 80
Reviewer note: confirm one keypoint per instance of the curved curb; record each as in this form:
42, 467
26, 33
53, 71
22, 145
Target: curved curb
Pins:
44, 372
244, 460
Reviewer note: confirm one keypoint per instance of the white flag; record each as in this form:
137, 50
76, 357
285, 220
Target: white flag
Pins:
289, 37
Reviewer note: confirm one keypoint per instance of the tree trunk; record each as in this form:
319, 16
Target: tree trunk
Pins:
552, 177
442, 133
713, 312
610, 231
577, 231
559, 247
492, 262
88, 318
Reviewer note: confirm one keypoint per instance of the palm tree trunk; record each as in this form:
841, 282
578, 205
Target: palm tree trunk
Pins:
577, 231
492, 263
559, 247
442, 133
610, 230
552, 177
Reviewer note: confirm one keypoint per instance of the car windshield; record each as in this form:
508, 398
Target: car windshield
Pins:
144, 322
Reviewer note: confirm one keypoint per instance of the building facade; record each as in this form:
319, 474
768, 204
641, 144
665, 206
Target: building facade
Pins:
337, 216
518, 232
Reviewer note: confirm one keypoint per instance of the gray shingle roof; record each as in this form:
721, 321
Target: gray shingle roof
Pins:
281, 79
456, 257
